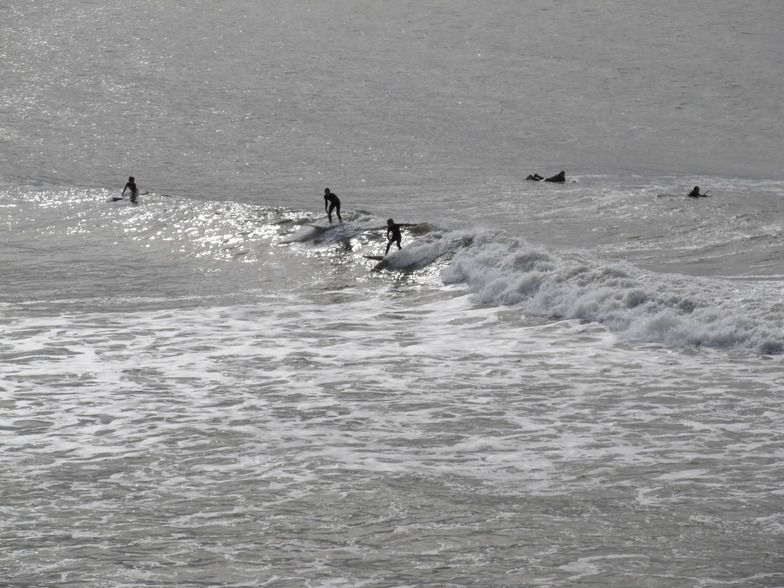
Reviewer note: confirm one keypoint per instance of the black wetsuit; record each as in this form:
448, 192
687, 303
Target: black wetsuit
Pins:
393, 236
557, 178
134, 191
332, 202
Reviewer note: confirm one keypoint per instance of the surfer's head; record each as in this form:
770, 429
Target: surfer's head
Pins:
131, 179
326, 190
390, 221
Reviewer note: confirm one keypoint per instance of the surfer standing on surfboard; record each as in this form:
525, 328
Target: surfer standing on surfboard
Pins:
331, 202
393, 233
131, 185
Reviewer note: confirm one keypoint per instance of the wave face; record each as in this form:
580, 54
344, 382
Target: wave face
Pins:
637, 306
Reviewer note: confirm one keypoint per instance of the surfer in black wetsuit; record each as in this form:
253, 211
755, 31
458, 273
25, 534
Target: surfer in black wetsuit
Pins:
393, 233
695, 193
131, 185
331, 202
559, 178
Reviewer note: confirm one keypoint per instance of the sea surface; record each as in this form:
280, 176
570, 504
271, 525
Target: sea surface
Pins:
552, 385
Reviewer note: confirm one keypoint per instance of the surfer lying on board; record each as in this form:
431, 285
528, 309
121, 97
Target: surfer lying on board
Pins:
695, 193
393, 233
131, 185
331, 202
559, 178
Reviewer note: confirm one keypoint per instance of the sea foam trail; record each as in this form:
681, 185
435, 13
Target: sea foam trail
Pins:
635, 305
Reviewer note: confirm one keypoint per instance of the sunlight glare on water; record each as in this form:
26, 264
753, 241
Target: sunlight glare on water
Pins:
548, 385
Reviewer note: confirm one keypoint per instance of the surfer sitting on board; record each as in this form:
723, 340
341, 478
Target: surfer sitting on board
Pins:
331, 202
695, 193
393, 233
131, 185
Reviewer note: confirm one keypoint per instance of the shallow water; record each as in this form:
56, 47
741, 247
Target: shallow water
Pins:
243, 445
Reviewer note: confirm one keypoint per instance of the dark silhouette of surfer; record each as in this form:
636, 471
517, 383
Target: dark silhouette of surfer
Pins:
131, 185
393, 233
695, 193
331, 202
558, 178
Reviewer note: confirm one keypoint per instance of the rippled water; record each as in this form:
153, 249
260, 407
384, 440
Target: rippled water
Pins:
550, 385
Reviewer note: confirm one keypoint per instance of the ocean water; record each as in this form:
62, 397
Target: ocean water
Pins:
572, 384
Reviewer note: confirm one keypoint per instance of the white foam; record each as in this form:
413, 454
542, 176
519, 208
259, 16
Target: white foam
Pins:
424, 250
636, 305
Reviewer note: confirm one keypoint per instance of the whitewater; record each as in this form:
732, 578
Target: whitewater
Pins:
548, 385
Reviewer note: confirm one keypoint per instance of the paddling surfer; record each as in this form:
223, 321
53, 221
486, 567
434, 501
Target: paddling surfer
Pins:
558, 178
331, 202
393, 233
695, 193
131, 185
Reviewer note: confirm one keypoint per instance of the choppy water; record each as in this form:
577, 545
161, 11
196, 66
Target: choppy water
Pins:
550, 385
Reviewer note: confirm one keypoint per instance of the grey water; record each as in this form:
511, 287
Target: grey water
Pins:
549, 385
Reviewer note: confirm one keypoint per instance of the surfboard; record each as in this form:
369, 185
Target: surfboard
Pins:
374, 257
320, 228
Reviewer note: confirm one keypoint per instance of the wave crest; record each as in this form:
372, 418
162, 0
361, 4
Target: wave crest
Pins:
635, 305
